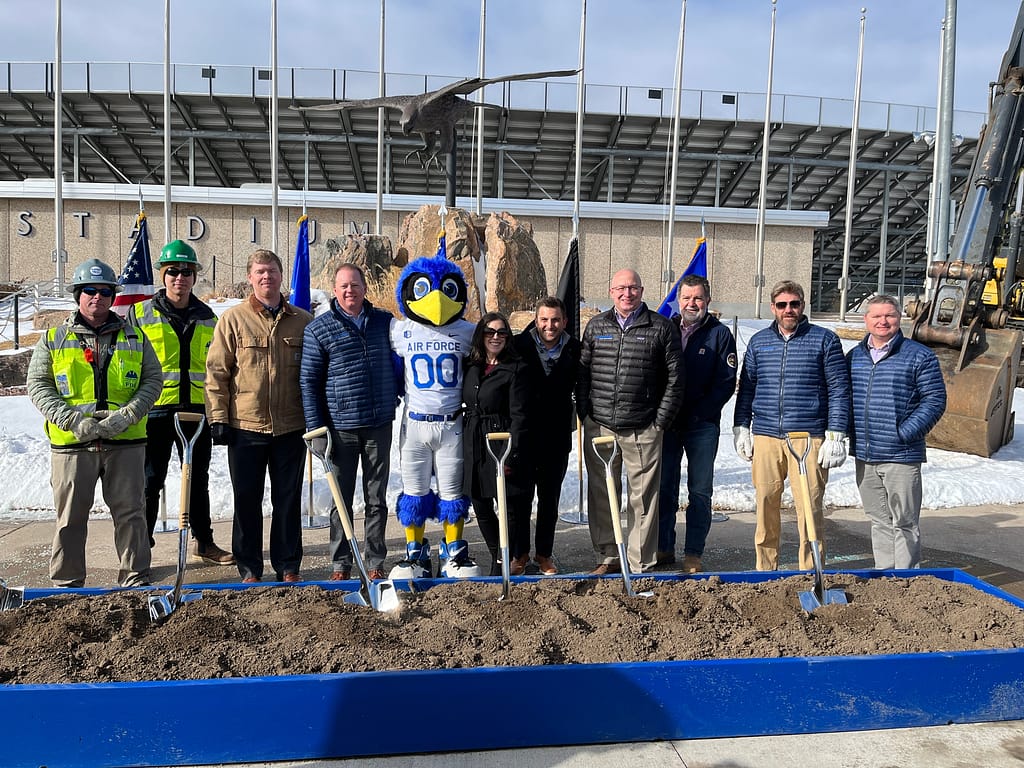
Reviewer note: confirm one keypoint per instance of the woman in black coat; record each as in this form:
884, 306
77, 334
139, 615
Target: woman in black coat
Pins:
494, 393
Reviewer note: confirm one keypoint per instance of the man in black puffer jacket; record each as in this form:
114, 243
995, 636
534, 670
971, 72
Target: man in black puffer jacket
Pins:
630, 386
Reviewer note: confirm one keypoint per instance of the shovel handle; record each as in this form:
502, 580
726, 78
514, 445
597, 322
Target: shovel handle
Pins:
188, 445
801, 489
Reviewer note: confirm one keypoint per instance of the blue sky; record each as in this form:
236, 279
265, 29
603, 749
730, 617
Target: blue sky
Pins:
628, 43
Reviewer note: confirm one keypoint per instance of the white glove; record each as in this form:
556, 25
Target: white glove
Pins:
114, 425
84, 428
832, 453
744, 442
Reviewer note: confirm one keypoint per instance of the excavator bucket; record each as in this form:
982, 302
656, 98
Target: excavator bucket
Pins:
979, 397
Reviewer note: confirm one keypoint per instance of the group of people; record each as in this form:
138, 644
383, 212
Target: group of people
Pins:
266, 371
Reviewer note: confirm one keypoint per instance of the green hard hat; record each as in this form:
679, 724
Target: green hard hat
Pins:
178, 252
93, 272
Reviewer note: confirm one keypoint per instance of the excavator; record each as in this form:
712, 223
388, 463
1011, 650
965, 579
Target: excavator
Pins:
972, 315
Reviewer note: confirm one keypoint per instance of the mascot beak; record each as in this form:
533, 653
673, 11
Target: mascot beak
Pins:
436, 308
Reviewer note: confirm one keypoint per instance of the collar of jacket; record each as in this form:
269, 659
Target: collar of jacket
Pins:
338, 313
894, 346
643, 315
257, 306
113, 324
196, 307
803, 327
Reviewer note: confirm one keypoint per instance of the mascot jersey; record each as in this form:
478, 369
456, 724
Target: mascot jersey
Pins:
432, 360
432, 341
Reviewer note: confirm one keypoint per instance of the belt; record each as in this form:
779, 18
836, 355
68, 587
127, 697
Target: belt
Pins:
434, 416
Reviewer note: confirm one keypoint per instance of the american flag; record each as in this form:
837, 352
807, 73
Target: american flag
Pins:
137, 277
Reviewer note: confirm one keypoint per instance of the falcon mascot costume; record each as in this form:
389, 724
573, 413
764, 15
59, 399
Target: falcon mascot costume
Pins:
433, 341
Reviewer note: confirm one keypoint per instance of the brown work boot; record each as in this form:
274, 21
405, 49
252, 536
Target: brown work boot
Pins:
666, 558
375, 574
606, 568
691, 564
518, 565
211, 553
340, 575
546, 565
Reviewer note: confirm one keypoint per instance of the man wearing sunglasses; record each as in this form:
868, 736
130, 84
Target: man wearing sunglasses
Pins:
794, 379
180, 328
94, 379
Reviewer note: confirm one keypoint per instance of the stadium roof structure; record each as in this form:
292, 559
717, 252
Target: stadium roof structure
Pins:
220, 128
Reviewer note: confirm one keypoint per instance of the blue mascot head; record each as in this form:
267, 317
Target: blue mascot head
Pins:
432, 291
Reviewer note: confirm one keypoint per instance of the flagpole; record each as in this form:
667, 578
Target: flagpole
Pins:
480, 115
762, 201
59, 256
167, 122
851, 177
580, 518
273, 126
381, 118
666, 273
944, 132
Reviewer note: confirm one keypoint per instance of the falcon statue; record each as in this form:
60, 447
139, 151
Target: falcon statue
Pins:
436, 111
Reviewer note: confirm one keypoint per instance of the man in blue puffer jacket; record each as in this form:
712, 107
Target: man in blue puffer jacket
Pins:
348, 384
794, 379
898, 396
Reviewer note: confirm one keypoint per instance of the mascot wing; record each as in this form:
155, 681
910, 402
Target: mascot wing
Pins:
432, 291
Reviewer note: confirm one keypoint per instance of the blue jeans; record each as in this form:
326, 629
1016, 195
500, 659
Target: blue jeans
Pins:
700, 445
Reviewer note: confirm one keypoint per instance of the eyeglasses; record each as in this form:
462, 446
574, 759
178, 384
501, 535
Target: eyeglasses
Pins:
627, 288
795, 304
496, 332
92, 290
186, 272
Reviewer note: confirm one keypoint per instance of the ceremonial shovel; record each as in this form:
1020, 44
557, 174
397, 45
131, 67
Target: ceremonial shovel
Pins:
613, 504
11, 597
802, 495
162, 606
379, 595
502, 506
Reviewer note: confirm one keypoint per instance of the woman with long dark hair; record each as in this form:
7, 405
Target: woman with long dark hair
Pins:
495, 391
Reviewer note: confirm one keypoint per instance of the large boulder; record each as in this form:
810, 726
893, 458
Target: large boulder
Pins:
515, 273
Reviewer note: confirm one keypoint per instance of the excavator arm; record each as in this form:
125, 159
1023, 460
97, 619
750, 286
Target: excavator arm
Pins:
966, 322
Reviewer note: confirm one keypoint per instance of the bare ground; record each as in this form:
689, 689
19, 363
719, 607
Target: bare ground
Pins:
308, 630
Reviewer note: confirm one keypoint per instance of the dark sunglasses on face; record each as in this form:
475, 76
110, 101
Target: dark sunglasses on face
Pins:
173, 272
496, 332
92, 290
795, 304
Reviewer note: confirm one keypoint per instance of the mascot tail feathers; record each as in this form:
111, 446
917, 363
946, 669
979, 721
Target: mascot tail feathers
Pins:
453, 510
415, 510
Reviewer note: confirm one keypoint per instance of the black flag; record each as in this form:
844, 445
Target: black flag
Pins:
569, 289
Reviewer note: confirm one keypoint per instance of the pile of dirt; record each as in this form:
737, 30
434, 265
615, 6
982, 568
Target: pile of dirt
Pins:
264, 631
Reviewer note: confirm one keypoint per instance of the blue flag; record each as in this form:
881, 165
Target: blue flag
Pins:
300, 269
698, 266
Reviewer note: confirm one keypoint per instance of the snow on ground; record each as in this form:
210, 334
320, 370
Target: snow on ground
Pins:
950, 479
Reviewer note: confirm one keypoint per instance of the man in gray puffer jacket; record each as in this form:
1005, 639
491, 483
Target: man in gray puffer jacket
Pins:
630, 386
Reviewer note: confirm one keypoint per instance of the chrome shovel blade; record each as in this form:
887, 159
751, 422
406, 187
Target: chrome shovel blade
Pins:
11, 597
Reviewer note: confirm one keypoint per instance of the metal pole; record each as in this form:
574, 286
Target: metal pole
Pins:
883, 238
666, 272
480, 115
381, 118
58, 157
580, 87
851, 174
167, 121
944, 131
273, 126
762, 195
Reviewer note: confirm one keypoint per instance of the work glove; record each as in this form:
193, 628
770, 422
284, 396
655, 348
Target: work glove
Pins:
318, 447
219, 433
113, 425
84, 428
833, 451
744, 442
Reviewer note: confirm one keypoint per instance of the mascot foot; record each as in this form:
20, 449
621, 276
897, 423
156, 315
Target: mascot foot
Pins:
416, 564
458, 564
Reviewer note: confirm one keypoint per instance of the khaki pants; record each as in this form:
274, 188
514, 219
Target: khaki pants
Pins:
772, 464
73, 476
640, 452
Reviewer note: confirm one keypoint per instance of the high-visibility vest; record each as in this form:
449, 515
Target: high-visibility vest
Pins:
87, 387
179, 364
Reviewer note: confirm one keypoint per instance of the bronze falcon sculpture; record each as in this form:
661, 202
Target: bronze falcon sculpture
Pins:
436, 111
